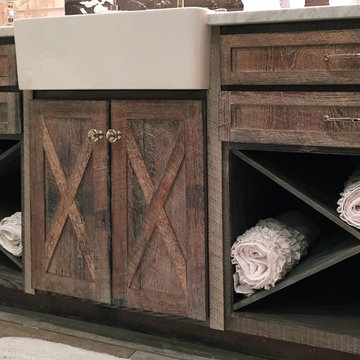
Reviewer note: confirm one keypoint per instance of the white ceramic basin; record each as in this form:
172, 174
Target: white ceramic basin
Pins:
152, 49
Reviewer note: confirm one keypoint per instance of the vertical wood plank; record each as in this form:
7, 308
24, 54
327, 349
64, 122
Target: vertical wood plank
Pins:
26, 198
216, 271
36, 192
195, 217
119, 201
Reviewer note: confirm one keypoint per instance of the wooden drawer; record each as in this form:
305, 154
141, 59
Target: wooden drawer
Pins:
10, 119
291, 58
294, 118
7, 65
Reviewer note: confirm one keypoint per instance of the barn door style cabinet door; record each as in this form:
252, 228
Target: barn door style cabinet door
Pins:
156, 204
70, 228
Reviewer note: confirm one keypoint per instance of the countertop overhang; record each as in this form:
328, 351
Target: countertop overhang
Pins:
313, 13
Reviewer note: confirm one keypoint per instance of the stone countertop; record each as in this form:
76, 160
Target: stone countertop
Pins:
284, 15
268, 16
6, 31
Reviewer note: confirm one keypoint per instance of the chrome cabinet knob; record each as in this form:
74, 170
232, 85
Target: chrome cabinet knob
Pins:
95, 135
113, 135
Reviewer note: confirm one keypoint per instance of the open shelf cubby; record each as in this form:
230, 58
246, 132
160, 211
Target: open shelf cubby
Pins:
264, 184
10, 202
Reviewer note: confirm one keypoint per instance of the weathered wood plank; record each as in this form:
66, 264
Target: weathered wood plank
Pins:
293, 118
214, 173
26, 198
290, 58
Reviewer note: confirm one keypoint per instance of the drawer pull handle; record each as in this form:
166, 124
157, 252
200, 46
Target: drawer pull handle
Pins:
113, 135
345, 119
95, 135
328, 57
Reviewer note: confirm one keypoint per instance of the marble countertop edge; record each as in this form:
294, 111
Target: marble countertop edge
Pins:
284, 15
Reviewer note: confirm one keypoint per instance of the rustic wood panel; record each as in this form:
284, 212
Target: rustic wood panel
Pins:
158, 207
294, 118
26, 198
290, 58
214, 173
70, 219
10, 114
7, 65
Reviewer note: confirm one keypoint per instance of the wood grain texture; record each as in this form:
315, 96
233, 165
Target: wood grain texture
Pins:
289, 332
214, 173
157, 167
290, 58
7, 65
26, 199
10, 114
294, 118
70, 219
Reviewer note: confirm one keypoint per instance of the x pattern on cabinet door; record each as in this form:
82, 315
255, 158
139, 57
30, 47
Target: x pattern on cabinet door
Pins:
70, 227
68, 206
155, 199
158, 207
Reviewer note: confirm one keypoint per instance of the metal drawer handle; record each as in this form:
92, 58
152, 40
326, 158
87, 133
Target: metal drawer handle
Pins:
345, 119
113, 135
95, 135
328, 57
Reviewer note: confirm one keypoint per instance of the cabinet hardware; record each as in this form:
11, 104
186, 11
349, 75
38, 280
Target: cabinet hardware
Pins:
345, 119
95, 135
328, 57
113, 135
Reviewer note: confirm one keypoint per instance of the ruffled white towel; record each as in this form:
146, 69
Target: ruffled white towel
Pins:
266, 252
10, 234
349, 202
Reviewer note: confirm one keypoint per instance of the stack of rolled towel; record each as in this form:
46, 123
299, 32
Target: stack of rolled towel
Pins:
349, 202
10, 234
265, 253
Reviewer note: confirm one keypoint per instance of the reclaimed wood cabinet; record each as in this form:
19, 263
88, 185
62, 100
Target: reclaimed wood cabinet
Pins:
289, 123
120, 182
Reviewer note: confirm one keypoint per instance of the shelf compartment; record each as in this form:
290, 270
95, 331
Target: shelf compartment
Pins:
10, 179
324, 253
324, 203
16, 260
257, 191
9, 159
10, 276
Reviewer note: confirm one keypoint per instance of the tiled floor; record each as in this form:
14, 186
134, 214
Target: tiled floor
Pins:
126, 344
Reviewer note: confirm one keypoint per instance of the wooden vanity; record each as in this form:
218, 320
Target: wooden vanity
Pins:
132, 199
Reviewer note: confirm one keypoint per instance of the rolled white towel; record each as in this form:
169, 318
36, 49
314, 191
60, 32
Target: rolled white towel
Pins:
349, 202
10, 234
265, 253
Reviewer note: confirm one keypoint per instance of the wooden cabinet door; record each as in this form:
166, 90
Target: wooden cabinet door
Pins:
158, 216
70, 227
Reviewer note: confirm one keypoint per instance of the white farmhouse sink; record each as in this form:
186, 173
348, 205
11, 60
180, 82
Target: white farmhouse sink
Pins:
151, 49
